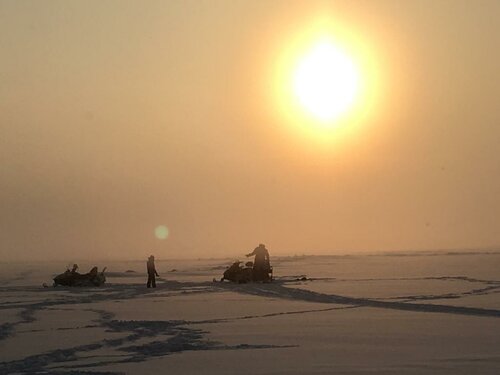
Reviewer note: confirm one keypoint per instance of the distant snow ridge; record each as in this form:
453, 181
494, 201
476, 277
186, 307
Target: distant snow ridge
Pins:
278, 290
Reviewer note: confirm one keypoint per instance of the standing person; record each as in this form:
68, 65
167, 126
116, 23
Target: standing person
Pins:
151, 272
261, 264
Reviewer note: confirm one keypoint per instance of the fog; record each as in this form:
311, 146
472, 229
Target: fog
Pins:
117, 117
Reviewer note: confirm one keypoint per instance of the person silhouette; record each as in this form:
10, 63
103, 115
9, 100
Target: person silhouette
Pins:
261, 264
151, 272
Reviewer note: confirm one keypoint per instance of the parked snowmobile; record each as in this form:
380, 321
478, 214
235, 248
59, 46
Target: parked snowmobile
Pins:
73, 278
245, 274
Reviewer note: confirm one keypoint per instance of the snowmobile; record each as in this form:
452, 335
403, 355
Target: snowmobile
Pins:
73, 278
245, 274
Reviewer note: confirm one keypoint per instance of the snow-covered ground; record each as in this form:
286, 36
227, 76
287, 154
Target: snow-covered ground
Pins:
408, 313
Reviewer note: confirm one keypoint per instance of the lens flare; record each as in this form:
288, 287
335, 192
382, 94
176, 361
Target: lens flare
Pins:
161, 232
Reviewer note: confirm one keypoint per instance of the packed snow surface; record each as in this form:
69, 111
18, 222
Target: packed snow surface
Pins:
405, 313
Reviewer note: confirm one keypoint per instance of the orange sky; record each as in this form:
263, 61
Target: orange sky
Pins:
119, 116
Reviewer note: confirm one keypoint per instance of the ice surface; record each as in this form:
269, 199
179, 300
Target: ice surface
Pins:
408, 313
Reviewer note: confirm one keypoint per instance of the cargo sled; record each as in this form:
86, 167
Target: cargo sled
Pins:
247, 273
73, 278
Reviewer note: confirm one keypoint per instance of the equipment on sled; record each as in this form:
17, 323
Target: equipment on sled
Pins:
248, 273
73, 278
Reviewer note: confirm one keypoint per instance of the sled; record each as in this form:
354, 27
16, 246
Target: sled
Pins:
242, 274
73, 278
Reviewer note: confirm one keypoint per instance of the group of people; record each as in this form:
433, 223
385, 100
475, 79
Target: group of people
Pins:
260, 268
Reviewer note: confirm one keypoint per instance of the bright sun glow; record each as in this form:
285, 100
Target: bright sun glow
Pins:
325, 82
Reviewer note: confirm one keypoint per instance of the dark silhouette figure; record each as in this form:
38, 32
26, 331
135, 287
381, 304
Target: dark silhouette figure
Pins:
261, 264
151, 272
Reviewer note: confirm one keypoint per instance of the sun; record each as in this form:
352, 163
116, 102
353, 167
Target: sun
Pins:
325, 81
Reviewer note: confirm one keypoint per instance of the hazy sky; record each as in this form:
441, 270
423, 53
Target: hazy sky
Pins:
119, 116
